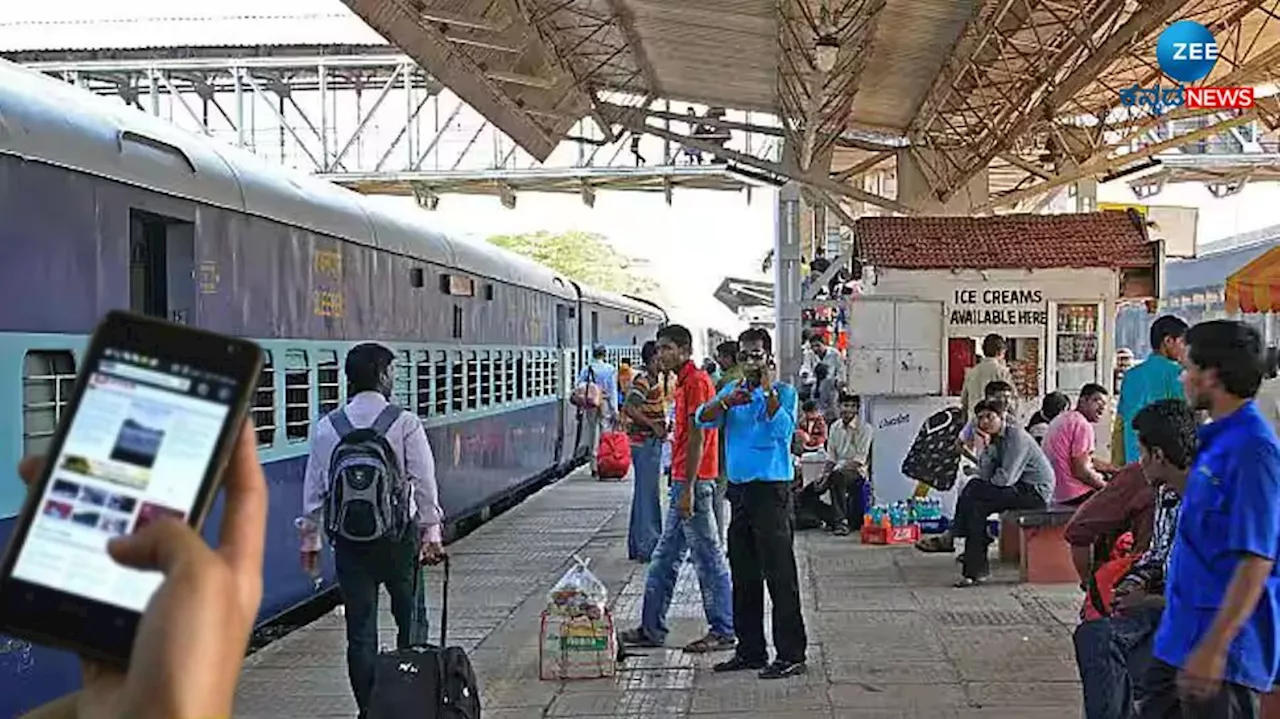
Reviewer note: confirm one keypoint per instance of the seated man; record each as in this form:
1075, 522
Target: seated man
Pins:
848, 456
971, 442
1012, 474
1114, 651
1069, 443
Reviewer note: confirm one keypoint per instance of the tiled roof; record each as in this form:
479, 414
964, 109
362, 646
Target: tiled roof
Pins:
1098, 239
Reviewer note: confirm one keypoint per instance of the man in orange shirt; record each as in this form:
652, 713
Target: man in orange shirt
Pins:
691, 525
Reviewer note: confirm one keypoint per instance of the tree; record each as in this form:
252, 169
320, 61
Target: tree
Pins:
582, 256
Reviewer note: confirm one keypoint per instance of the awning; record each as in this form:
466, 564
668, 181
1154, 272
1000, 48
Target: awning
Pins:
1256, 286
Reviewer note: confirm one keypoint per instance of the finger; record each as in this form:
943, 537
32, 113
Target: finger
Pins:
161, 546
244, 515
31, 469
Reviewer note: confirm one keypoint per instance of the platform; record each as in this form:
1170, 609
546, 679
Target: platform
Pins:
888, 636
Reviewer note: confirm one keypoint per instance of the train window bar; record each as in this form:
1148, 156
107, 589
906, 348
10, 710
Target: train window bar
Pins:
553, 372
297, 396
509, 368
424, 405
473, 380
522, 379
485, 380
48, 378
440, 383
264, 403
403, 385
328, 382
457, 384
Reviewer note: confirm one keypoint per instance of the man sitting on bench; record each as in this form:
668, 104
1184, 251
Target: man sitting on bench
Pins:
1012, 474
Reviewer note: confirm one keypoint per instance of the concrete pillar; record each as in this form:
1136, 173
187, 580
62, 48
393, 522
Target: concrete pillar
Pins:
914, 189
786, 292
1086, 194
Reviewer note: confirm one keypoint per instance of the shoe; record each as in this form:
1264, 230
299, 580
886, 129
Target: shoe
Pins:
841, 530
711, 643
782, 669
637, 638
738, 664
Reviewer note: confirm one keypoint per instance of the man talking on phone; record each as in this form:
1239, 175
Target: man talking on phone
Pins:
371, 484
756, 417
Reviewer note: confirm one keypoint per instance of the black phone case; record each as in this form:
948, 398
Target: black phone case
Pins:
932, 458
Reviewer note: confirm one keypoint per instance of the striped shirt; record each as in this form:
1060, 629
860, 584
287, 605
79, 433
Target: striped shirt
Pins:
1149, 569
647, 395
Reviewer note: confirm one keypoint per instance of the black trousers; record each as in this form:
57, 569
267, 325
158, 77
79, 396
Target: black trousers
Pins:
842, 482
977, 501
760, 554
361, 568
1161, 689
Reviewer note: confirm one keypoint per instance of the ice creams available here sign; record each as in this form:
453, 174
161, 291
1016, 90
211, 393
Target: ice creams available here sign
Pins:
990, 306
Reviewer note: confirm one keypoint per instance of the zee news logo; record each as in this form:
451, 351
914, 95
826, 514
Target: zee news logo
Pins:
1187, 52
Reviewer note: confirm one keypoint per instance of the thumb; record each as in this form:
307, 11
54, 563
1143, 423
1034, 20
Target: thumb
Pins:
161, 546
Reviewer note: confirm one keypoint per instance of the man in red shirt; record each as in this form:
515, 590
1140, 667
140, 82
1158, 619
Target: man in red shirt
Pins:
691, 527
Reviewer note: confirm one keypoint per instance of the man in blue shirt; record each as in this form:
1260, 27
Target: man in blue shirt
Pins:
1157, 377
597, 419
1216, 648
756, 417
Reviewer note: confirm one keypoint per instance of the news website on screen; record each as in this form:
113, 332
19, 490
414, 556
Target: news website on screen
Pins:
137, 450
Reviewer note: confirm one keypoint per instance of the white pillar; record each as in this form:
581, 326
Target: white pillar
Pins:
786, 292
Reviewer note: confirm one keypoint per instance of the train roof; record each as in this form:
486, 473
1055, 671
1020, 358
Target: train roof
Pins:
618, 302
49, 121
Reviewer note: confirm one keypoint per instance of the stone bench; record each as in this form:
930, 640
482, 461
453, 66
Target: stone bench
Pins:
1036, 540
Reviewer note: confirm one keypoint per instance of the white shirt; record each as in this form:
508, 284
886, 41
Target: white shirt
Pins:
849, 444
408, 439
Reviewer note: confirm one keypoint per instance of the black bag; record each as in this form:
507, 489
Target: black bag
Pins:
933, 458
426, 681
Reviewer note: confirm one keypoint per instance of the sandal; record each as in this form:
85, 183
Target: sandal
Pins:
637, 638
711, 643
937, 544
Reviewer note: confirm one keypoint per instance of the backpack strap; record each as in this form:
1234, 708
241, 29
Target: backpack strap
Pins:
386, 418
341, 424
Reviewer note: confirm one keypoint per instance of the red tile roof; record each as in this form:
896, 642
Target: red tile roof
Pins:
1097, 239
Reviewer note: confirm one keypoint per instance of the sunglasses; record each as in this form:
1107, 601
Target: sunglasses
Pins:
755, 356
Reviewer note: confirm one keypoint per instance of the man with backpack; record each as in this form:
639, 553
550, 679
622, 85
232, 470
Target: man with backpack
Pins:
370, 484
596, 396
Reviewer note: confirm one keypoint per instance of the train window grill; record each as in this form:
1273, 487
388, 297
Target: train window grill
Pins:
440, 382
522, 382
553, 372
457, 385
473, 380
264, 403
509, 371
297, 396
546, 373
486, 379
48, 378
328, 382
538, 364
402, 383
424, 402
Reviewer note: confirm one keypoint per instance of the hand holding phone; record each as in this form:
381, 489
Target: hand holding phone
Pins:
190, 644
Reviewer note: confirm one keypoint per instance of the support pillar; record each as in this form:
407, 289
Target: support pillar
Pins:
914, 189
786, 293
1086, 194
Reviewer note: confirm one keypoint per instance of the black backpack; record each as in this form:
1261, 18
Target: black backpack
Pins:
426, 681
368, 495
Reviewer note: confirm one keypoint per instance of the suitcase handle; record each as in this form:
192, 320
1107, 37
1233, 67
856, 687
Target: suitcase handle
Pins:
444, 594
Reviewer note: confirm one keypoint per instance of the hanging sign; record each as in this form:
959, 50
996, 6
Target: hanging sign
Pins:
997, 306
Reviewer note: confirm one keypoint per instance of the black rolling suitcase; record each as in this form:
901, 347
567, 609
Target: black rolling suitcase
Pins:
426, 681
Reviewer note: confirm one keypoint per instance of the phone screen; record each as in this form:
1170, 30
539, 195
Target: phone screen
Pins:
137, 449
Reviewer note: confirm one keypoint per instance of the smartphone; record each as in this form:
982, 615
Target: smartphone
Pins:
154, 416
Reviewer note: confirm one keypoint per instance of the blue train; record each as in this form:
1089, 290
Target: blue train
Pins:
103, 206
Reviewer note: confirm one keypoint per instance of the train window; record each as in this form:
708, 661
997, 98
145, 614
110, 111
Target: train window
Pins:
440, 383
402, 387
457, 322
48, 377
522, 382
328, 381
417, 278
486, 380
264, 402
473, 380
595, 328
457, 385
423, 403
297, 396
509, 373
488, 292
553, 373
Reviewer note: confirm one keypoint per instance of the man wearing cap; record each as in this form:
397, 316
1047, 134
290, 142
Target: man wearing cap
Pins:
602, 375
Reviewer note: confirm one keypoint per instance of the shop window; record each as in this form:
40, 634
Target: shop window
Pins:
402, 383
297, 396
48, 378
264, 402
328, 381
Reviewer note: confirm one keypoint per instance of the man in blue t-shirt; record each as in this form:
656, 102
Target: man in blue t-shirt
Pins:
757, 417
1216, 648
1157, 377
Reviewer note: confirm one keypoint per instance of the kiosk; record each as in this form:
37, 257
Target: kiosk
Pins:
1049, 284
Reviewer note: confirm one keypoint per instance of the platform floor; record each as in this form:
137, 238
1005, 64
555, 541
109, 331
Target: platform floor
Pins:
888, 635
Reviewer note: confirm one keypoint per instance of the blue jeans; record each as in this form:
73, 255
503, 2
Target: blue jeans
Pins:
646, 503
683, 537
1113, 653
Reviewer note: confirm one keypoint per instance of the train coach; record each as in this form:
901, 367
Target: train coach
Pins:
103, 206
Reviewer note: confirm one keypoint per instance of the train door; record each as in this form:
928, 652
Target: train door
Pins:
162, 268
565, 349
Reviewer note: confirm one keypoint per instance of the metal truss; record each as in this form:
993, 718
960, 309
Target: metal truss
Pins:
814, 104
1043, 77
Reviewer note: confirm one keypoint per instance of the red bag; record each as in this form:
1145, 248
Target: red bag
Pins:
613, 455
1101, 591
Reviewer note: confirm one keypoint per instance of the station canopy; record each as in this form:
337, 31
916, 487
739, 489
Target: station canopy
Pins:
1256, 286
1027, 89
